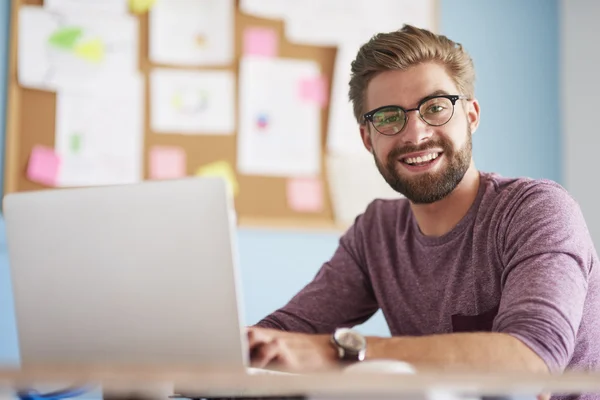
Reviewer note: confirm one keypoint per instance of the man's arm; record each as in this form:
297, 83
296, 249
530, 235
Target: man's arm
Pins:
547, 252
470, 351
339, 295
467, 351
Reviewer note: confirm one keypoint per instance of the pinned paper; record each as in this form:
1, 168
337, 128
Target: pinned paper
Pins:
96, 150
192, 32
278, 134
305, 194
192, 102
69, 48
260, 42
140, 6
167, 162
314, 90
221, 169
43, 166
354, 182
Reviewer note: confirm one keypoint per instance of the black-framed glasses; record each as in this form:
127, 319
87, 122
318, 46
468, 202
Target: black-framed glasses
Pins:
433, 110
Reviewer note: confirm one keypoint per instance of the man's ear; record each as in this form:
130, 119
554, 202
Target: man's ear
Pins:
366, 137
473, 114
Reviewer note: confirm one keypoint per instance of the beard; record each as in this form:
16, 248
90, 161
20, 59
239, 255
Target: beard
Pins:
428, 187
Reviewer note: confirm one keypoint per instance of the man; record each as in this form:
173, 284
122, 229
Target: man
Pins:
471, 270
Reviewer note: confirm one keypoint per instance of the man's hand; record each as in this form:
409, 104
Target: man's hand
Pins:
293, 352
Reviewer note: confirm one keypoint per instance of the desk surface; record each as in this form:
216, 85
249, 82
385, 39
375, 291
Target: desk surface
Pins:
125, 381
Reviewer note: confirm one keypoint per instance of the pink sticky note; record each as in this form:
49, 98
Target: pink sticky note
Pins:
43, 166
260, 42
305, 194
167, 162
314, 90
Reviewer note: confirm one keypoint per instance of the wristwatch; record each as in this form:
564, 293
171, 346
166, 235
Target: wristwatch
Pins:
350, 344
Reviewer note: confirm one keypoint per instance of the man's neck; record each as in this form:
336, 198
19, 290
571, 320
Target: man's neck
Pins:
440, 217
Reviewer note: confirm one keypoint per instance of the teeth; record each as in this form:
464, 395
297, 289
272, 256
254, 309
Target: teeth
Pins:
425, 158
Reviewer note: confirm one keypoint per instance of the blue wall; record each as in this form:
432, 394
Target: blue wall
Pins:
515, 48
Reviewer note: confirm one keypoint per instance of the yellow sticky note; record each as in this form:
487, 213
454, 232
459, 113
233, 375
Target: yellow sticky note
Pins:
221, 169
91, 50
140, 6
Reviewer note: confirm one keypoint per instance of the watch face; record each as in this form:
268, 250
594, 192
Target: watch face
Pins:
350, 340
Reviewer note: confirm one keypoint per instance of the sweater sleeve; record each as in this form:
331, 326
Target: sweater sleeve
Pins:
547, 252
340, 295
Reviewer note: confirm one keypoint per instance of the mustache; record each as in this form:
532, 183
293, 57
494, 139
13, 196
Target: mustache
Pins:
398, 152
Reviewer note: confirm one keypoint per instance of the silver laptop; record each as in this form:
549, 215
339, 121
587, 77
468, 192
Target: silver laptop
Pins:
127, 275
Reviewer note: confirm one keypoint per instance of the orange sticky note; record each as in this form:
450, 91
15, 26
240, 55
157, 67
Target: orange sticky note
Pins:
43, 166
167, 162
260, 42
314, 90
305, 194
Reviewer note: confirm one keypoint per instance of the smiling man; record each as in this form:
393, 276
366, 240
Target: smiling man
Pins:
471, 270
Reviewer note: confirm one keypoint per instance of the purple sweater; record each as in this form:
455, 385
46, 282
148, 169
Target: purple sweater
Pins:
520, 262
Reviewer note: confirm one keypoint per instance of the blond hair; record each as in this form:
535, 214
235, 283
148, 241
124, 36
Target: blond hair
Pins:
402, 49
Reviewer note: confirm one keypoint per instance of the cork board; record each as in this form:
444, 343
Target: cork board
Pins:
262, 201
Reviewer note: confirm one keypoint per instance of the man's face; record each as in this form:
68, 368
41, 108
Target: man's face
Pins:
423, 162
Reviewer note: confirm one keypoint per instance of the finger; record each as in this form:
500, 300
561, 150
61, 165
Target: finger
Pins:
258, 336
265, 354
284, 360
255, 338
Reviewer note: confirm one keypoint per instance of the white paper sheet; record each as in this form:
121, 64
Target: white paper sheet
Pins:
343, 133
337, 19
100, 133
192, 102
354, 182
59, 50
289, 141
104, 6
274, 9
192, 32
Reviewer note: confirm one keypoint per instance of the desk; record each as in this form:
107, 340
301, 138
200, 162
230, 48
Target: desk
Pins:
154, 383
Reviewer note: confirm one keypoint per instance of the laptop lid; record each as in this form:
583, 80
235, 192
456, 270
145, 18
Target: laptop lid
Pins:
129, 274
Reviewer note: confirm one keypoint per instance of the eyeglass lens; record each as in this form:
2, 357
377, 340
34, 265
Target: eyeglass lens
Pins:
391, 120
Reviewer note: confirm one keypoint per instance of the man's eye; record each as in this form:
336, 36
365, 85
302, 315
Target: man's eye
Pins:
436, 108
388, 119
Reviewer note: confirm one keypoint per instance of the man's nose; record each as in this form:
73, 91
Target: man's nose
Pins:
416, 130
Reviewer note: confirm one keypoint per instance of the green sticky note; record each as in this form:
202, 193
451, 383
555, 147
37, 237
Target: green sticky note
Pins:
65, 38
75, 142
